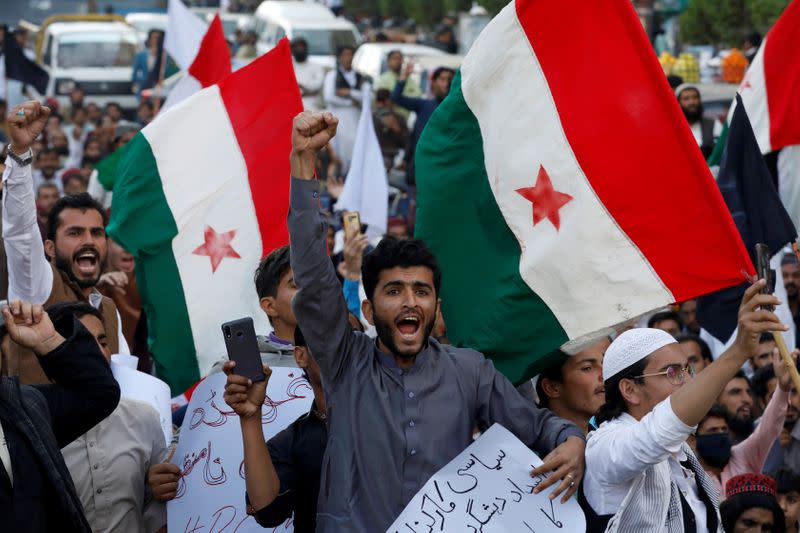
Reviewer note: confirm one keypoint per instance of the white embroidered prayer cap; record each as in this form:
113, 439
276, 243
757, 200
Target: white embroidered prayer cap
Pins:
631, 347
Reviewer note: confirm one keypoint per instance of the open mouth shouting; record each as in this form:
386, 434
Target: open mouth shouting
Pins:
408, 325
86, 263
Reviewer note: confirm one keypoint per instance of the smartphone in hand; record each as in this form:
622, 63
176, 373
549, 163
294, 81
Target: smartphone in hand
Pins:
351, 221
240, 340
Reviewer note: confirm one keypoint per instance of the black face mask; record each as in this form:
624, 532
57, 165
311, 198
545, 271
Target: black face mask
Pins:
715, 448
300, 55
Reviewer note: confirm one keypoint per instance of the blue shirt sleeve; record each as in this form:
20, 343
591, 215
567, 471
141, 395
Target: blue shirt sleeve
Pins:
350, 290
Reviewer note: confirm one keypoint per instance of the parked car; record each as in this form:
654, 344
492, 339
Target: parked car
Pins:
370, 60
324, 32
95, 51
144, 22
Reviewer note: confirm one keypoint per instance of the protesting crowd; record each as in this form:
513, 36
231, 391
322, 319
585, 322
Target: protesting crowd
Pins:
650, 425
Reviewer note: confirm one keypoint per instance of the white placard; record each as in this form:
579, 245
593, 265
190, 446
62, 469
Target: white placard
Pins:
488, 488
209, 453
148, 389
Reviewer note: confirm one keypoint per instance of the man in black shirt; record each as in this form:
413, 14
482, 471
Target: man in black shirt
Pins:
36, 490
282, 476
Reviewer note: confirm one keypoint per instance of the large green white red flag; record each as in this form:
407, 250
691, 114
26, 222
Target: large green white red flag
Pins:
563, 194
202, 195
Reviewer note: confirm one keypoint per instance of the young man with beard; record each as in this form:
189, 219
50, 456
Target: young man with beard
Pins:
737, 398
706, 131
404, 405
574, 388
722, 459
310, 76
76, 240
640, 473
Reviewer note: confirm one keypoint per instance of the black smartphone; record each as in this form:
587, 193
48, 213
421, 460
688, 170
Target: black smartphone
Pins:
240, 340
764, 271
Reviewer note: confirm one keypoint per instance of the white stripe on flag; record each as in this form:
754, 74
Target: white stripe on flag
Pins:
205, 183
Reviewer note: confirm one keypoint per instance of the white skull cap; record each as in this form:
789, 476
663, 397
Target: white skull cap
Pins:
631, 347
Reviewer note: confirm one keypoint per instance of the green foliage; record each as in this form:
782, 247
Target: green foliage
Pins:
726, 22
425, 12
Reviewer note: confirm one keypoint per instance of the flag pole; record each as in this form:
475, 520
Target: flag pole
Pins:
787, 358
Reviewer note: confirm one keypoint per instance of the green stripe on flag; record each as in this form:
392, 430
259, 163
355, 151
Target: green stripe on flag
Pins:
142, 222
715, 159
108, 168
487, 306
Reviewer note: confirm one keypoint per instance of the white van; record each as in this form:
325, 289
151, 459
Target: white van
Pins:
95, 54
324, 32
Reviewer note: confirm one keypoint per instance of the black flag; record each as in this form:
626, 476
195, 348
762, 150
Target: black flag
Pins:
20, 68
749, 190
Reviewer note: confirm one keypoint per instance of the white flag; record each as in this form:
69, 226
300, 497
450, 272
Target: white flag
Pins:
366, 189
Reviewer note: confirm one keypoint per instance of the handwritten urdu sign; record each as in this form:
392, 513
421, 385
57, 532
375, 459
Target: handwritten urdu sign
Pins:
488, 488
211, 489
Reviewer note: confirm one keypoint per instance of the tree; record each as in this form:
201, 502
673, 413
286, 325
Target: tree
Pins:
726, 22
425, 12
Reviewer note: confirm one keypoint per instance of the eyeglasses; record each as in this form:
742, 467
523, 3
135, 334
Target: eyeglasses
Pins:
675, 373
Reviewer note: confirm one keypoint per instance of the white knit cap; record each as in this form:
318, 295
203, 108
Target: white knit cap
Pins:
631, 347
683, 86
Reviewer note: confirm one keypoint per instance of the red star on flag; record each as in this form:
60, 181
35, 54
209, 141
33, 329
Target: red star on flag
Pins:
546, 200
217, 247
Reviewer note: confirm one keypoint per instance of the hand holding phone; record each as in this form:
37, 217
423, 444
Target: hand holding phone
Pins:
242, 346
351, 221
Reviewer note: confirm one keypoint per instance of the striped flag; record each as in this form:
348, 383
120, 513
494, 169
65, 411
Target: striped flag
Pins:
203, 194
200, 51
563, 195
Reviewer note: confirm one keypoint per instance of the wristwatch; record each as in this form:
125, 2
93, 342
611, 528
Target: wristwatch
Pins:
23, 160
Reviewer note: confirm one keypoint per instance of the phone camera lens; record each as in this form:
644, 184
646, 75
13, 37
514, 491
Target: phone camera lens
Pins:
227, 332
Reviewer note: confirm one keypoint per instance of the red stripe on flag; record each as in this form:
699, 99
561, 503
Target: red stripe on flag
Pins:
782, 78
262, 100
633, 143
213, 61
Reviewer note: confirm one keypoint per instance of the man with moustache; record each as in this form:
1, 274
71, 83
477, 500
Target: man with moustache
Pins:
706, 131
403, 405
75, 242
737, 398
573, 389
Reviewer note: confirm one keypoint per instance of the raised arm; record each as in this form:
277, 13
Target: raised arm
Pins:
84, 391
30, 277
752, 452
319, 304
397, 95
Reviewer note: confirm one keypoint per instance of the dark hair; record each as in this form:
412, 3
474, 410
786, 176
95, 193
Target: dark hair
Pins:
786, 480
393, 52
82, 201
765, 338
75, 111
46, 185
299, 340
299, 40
441, 70
664, 315
270, 271
341, 48
382, 95
732, 508
114, 104
754, 37
391, 253
705, 351
76, 309
675, 81
553, 373
615, 403
716, 411
46, 151
761, 377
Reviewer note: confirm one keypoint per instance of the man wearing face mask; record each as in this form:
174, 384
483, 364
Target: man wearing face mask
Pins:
310, 76
713, 444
